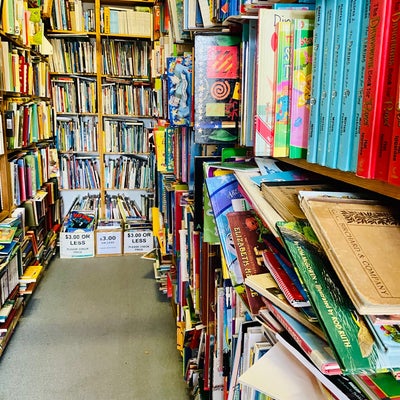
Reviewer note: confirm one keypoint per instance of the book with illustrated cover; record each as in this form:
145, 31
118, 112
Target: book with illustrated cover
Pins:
283, 77
265, 74
217, 94
222, 190
179, 77
345, 330
7, 234
79, 221
383, 385
303, 30
348, 230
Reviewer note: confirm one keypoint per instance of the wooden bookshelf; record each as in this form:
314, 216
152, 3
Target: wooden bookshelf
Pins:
373, 185
115, 79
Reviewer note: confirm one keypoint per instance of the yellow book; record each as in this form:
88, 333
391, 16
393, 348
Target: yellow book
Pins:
8, 17
31, 273
106, 20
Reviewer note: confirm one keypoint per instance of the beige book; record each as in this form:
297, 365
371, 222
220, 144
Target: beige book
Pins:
361, 239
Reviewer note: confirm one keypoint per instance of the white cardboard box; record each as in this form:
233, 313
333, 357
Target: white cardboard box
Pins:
109, 242
76, 244
138, 241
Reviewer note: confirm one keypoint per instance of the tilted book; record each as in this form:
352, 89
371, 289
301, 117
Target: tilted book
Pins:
247, 231
352, 233
345, 330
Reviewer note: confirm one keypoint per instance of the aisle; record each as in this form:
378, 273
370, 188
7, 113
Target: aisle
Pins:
95, 329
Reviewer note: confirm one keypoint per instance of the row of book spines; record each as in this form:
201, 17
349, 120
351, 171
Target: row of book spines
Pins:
70, 15
21, 74
364, 141
79, 172
27, 124
29, 172
19, 20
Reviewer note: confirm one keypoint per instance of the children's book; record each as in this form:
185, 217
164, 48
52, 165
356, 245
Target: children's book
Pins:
283, 81
303, 30
179, 77
217, 94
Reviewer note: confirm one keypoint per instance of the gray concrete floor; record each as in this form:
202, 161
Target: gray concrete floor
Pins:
95, 328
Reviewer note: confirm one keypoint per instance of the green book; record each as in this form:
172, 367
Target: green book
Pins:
344, 328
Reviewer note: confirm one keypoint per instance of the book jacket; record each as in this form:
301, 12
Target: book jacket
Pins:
217, 94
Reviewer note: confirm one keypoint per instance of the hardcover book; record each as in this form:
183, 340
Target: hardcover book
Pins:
248, 231
303, 30
179, 76
348, 229
217, 94
345, 330
377, 58
283, 78
265, 75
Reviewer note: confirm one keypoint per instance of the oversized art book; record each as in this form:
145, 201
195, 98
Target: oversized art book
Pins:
217, 82
345, 329
361, 239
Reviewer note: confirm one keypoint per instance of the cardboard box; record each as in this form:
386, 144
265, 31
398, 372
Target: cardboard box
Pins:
109, 242
138, 241
76, 244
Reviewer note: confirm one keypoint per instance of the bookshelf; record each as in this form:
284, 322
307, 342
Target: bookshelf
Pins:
28, 169
179, 230
101, 82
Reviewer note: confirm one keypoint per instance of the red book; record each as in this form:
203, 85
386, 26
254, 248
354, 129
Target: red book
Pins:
247, 232
394, 161
389, 98
377, 59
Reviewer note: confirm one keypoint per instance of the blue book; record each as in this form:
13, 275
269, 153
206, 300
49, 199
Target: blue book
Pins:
342, 12
326, 79
316, 80
222, 190
114, 25
293, 6
353, 77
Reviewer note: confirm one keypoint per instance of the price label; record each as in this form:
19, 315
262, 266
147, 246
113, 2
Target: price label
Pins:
138, 241
108, 243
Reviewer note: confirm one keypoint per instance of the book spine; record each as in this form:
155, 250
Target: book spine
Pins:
316, 73
342, 12
391, 85
326, 82
375, 76
301, 86
284, 33
353, 80
394, 160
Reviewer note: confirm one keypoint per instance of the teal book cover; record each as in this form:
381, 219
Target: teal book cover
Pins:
344, 328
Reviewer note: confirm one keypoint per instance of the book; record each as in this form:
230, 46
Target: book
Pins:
247, 231
31, 274
284, 198
303, 35
353, 81
316, 73
383, 385
345, 330
283, 82
79, 221
285, 280
266, 285
394, 160
316, 348
265, 73
328, 47
216, 62
7, 234
338, 60
377, 58
222, 190
346, 228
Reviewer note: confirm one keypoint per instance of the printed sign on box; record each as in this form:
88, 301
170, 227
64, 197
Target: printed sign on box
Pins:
108, 242
76, 244
138, 241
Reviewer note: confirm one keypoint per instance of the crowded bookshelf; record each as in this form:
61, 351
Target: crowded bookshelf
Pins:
248, 148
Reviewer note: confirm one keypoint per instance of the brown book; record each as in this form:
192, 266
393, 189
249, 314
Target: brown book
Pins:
361, 239
284, 198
